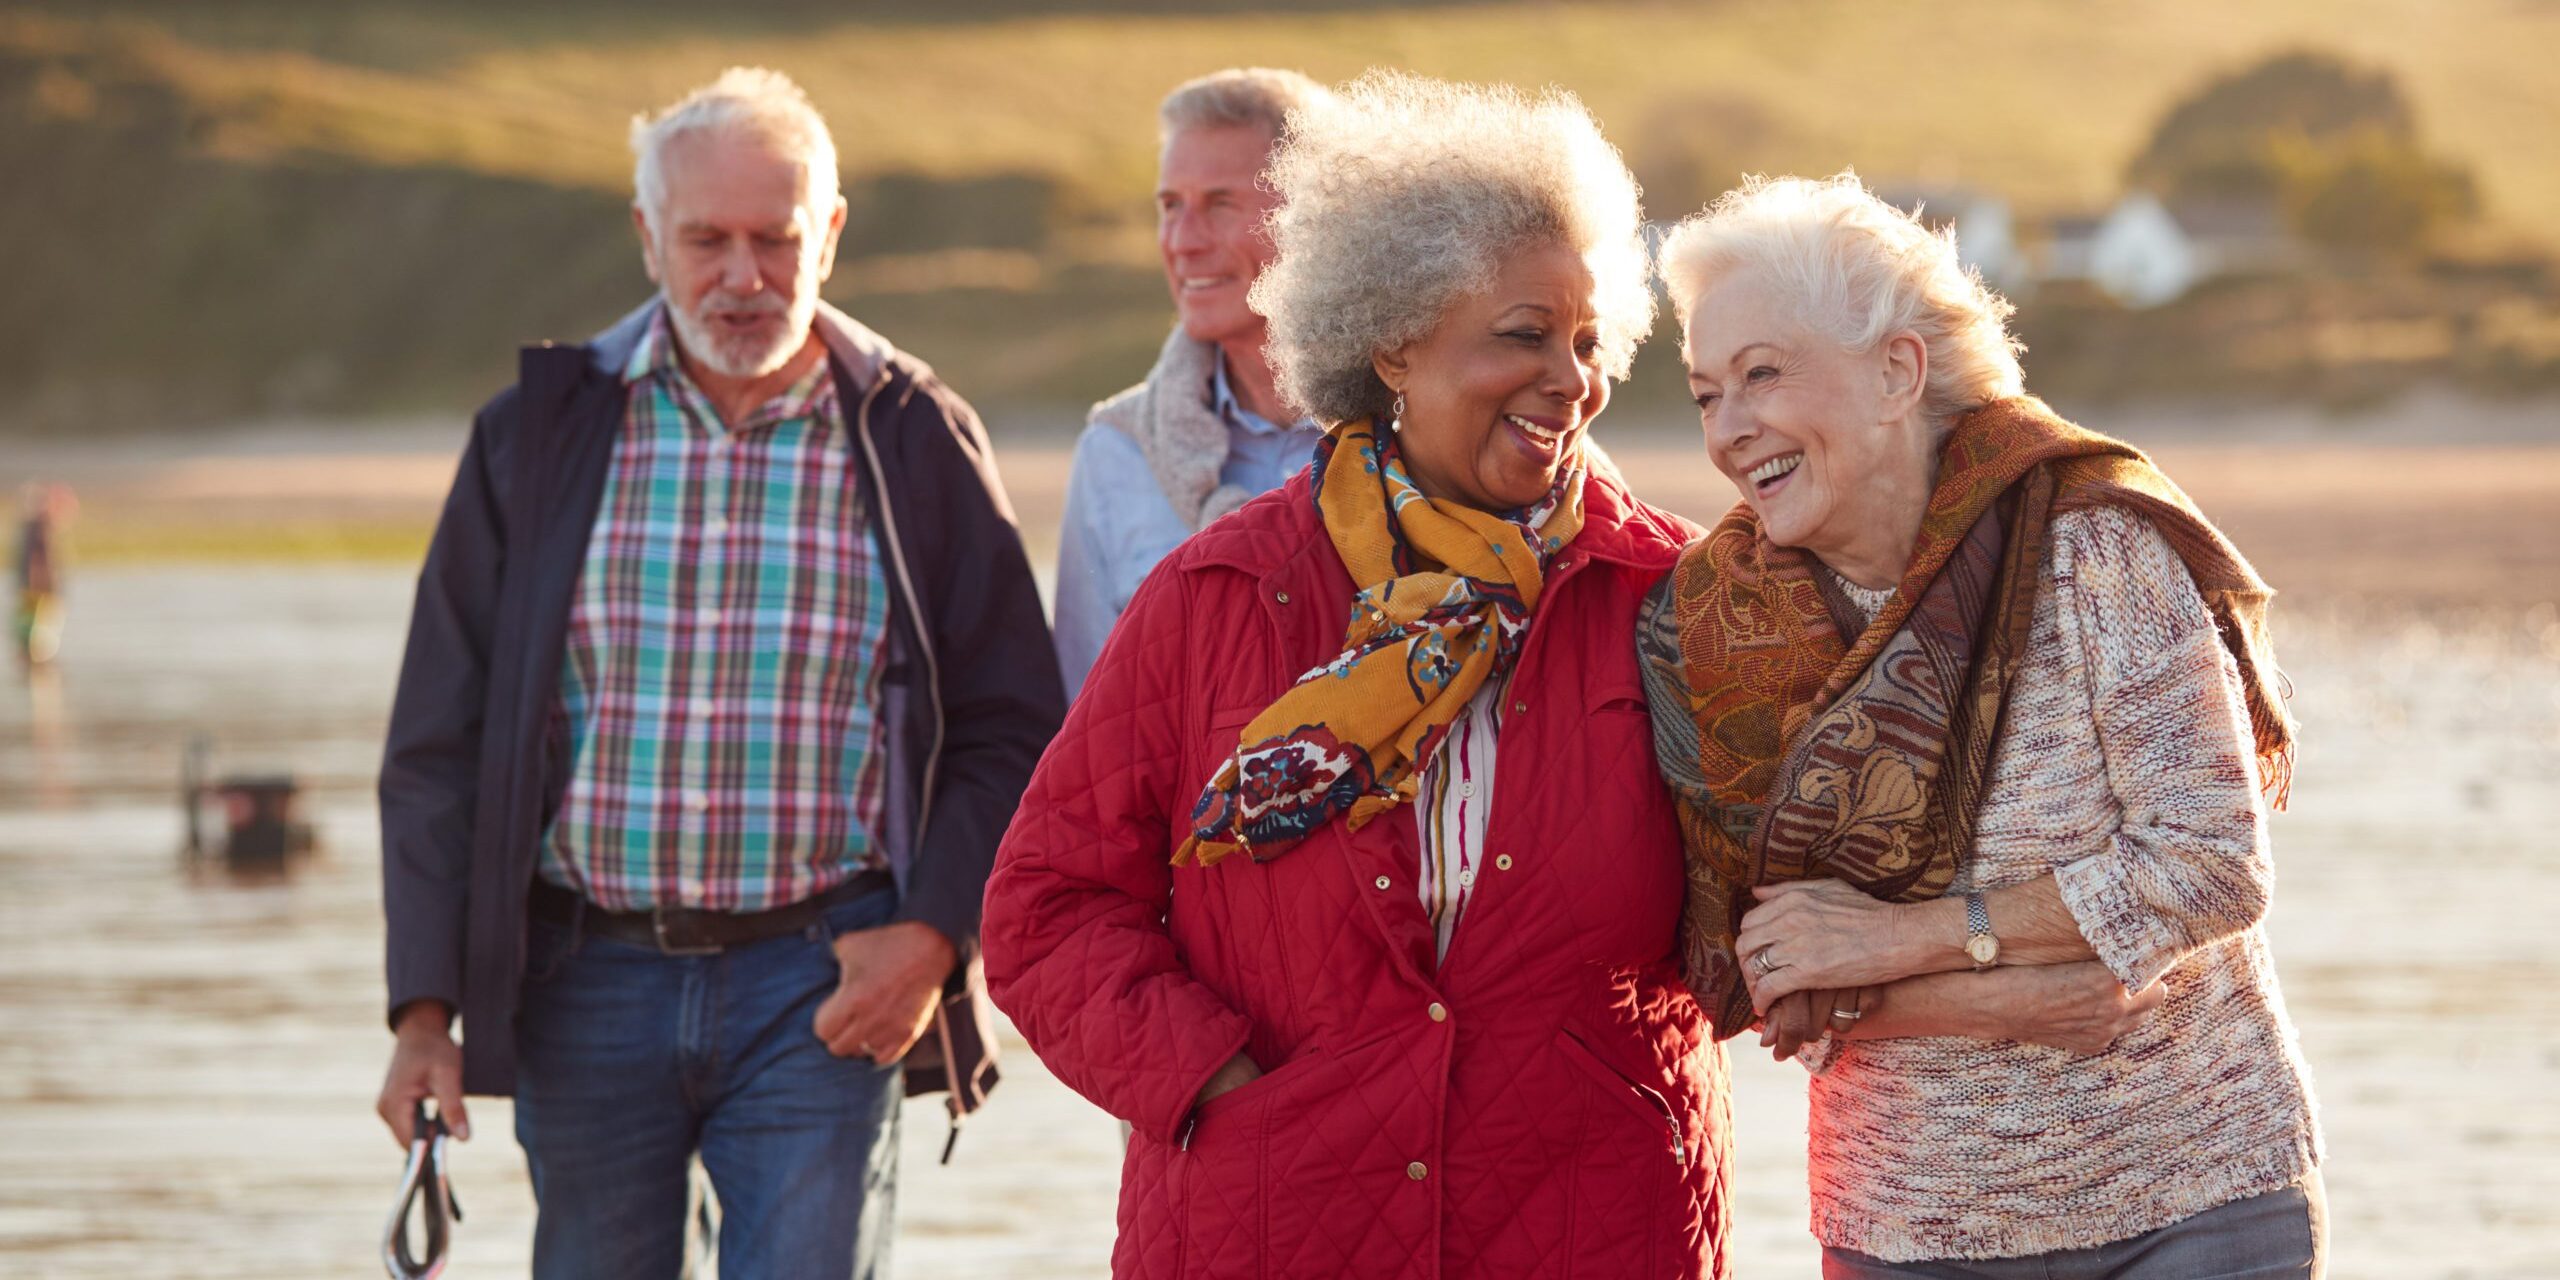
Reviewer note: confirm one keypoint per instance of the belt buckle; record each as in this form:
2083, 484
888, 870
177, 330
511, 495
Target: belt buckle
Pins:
658, 931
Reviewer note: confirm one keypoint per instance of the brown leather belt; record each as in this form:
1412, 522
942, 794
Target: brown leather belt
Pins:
683, 931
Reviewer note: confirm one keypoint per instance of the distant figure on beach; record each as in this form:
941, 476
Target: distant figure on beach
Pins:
726, 672
1348, 884
44, 510
1975, 722
1207, 429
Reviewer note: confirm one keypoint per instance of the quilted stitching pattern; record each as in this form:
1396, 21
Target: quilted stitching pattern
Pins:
1540, 1112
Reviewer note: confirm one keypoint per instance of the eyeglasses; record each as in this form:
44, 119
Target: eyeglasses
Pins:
423, 1187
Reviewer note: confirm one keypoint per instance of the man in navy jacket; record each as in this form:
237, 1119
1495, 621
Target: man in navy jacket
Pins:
726, 673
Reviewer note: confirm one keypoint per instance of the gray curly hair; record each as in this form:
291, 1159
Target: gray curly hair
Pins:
1402, 194
1860, 271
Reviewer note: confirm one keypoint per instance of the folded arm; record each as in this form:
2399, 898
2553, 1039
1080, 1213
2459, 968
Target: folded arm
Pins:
2077, 1006
2190, 866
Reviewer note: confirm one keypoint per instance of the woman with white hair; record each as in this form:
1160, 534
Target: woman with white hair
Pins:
1960, 688
1348, 884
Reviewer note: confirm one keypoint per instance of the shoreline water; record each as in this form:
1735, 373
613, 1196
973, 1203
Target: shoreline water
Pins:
2439, 502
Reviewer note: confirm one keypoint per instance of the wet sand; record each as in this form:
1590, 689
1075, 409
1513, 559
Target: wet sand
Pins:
187, 1064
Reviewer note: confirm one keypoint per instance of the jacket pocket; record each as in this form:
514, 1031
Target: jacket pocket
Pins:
1642, 1101
1629, 1175
1624, 698
548, 948
1218, 745
1223, 1167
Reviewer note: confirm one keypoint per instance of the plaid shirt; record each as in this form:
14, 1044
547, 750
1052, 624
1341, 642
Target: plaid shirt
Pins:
719, 701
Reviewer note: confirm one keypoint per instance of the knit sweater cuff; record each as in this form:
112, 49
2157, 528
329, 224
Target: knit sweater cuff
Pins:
1819, 1053
2135, 943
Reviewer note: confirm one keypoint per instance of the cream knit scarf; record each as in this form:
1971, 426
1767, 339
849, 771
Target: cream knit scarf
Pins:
1181, 434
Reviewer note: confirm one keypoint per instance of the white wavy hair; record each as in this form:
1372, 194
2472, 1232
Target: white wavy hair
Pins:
1860, 271
758, 101
1401, 194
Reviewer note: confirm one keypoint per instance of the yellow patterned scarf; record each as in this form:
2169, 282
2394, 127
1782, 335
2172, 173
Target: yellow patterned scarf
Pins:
1445, 597
1798, 747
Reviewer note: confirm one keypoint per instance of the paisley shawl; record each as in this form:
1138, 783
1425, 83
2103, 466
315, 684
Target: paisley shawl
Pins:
1799, 745
1445, 597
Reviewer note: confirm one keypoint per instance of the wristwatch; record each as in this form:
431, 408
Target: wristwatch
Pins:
1980, 942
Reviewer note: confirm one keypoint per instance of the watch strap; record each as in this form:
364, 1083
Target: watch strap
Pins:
1980, 944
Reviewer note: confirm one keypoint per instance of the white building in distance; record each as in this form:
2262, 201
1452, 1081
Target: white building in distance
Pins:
2144, 253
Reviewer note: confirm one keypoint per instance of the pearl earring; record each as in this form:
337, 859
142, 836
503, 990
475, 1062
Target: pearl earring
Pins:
1395, 414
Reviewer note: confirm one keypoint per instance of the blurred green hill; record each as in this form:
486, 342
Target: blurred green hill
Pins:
271, 207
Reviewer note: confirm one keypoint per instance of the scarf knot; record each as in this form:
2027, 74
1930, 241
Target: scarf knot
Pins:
1445, 597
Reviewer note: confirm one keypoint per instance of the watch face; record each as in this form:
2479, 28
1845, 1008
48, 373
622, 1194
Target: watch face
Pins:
1983, 948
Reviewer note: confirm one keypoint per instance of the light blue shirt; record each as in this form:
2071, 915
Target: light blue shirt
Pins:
1119, 523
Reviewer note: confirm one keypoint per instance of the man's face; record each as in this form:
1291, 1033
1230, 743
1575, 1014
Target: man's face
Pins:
1209, 213
740, 255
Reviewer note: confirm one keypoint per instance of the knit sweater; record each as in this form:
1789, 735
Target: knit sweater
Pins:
2125, 768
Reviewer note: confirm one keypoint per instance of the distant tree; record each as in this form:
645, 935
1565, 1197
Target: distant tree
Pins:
2217, 142
2334, 144
2375, 193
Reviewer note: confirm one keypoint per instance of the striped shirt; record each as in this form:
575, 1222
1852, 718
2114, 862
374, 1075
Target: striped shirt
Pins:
719, 698
1453, 806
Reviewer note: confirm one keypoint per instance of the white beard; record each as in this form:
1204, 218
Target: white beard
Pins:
747, 356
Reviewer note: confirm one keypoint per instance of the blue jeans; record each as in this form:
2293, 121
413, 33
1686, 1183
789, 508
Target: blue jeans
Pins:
2280, 1234
630, 1061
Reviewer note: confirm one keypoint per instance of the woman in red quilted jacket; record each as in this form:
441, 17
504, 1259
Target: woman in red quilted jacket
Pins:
1350, 884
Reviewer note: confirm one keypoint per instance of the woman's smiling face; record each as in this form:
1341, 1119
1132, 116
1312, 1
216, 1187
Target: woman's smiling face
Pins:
1815, 436
1498, 394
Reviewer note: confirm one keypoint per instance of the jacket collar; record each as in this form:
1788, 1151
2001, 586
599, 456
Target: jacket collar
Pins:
1620, 529
1617, 528
862, 353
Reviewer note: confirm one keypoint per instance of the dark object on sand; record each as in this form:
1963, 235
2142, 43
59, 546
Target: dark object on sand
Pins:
261, 829
425, 1190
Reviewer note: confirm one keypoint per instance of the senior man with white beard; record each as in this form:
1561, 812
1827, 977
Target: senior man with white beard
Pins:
726, 672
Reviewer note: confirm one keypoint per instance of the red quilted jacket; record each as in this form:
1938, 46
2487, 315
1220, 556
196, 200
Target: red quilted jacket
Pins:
1547, 1103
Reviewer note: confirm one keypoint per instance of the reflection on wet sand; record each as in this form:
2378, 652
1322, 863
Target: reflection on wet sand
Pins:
48, 737
187, 1063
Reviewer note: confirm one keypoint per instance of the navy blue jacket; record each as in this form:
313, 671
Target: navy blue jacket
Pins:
469, 781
